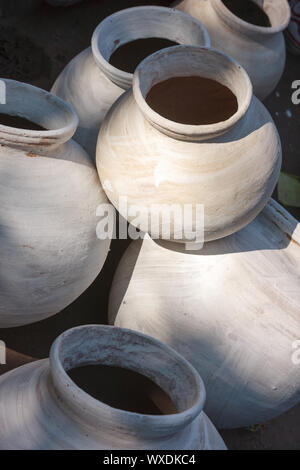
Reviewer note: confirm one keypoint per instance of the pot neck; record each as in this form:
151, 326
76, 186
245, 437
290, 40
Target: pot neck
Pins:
278, 12
118, 347
181, 61
40, 107
137, 23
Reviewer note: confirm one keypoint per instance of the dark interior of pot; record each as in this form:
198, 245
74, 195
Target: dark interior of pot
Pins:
192, 100
129, 36
249, 11
31, 108
123, 389
128, 56
125, 370
19, 122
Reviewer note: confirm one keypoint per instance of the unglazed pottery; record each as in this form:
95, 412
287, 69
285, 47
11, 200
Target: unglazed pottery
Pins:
232, 309
42, 408
230, 167
91, 84
49, 192
260, 50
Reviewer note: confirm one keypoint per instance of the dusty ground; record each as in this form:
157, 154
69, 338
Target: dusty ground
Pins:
34, 49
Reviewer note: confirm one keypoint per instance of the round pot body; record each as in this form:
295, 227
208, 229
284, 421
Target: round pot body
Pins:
50, 191
91, 84
260, 50
232, 309
56, 414
147, 163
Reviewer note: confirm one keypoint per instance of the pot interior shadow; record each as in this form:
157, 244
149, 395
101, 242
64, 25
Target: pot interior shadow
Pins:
123, 389
249, 11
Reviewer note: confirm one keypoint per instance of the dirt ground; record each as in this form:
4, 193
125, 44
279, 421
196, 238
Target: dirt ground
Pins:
34, 49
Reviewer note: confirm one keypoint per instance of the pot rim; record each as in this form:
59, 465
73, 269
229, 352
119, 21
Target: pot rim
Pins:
35, 139
231, 19
84, 405
187, 131
120, 77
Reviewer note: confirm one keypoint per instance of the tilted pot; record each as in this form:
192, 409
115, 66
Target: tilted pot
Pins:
50, 191
230, 167
42, 408
91, 84
259, 49
231, 309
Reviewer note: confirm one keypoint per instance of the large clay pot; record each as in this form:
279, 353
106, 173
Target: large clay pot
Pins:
154, 162
260, 50
42, 408
232, 309
49, 192
91, 84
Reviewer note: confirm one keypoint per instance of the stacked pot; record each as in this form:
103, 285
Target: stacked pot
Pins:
91, 84
223, 292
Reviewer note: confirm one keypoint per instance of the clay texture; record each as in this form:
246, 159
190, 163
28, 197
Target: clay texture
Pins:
230, 168
50, 191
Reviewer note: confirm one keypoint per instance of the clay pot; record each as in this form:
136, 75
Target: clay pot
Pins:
91, 84
259, 49
153, 161
232, 309
49, 190
56, 414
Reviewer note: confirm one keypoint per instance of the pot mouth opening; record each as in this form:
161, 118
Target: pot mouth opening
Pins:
277, 13
192, 100
117, 347
138, 23
33, 117
161, 81
123, 389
